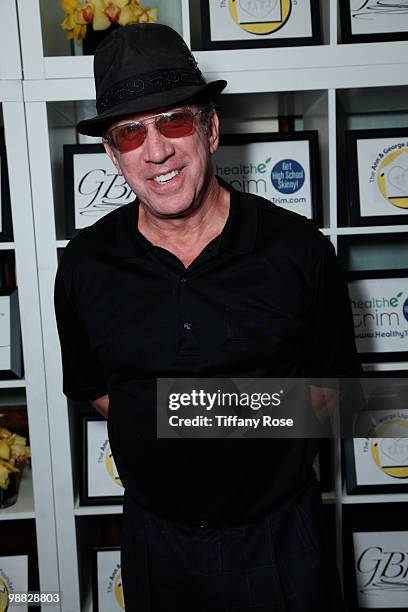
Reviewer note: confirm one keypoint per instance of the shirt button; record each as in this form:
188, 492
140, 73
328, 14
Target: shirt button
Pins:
187, 326
183, 280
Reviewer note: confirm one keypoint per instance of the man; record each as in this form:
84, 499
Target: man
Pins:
195, 279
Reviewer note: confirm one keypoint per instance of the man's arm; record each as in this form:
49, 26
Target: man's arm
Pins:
101, 404
331, 358
83, 375
330, 350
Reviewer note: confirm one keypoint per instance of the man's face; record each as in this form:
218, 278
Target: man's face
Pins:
170, 176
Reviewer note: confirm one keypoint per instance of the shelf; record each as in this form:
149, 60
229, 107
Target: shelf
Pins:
24, 506
329, 498
319, 58
385, 367
372, 229
375, 499
303, 68
97, 510
12, 384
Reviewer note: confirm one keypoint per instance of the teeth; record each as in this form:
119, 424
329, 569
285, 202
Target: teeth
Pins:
164, 178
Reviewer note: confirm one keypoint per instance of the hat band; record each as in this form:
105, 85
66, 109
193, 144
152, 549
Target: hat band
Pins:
146, 84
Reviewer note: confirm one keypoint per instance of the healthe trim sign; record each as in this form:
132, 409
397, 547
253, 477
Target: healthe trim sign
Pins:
279, 167
379, 305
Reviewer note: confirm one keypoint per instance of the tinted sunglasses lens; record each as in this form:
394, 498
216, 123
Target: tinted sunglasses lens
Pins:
132, 135
176, 125
128, 137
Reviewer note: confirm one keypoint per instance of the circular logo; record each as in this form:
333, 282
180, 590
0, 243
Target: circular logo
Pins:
392, 178
260, 17
111, 467
391, 454
3, 596
405, 309
119, 590
288, 176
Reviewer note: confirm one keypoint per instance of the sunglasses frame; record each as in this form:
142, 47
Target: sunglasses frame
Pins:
152, 119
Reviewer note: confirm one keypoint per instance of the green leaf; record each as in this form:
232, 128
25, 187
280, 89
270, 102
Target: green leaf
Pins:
268, 160
399, 295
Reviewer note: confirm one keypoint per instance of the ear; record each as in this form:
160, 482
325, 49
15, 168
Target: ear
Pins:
113, 156
213, 132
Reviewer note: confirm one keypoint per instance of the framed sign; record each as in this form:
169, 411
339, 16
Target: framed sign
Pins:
280, 167
378, 176
107, 580
13, 579
11, 361
379, 303
378, 463
100, 480
381, 570
237, 24
373, 20
92, 186
6, 226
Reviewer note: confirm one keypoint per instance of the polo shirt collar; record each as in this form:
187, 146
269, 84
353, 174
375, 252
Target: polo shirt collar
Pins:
238, 235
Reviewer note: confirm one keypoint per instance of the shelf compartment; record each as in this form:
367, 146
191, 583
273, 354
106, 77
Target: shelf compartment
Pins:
55, 43
364, 108
386, 251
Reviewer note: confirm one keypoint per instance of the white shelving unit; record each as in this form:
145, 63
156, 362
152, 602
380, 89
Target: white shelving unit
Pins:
320, 83
36, 495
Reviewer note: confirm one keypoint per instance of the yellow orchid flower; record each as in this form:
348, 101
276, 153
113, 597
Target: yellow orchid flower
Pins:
4, 450
143, 15
5, 469
102, 13
4, 476
107, 12
149, 16
68, 6
76, 18
126, 16
13, 450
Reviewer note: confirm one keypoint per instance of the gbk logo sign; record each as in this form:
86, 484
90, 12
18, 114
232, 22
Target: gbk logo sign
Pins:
98, 188
381, 564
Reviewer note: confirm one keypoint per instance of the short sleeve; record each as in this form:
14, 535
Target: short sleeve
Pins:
330, 344
83, 377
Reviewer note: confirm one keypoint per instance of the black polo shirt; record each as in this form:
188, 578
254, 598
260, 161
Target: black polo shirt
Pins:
264, 299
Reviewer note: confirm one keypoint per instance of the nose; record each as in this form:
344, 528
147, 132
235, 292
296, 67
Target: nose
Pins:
157, 148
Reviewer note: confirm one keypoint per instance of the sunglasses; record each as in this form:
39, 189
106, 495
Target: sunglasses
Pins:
174, 124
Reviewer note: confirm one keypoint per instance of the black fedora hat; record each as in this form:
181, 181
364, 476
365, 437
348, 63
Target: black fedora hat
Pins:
143, 67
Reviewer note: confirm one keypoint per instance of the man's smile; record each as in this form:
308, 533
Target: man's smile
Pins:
165, 178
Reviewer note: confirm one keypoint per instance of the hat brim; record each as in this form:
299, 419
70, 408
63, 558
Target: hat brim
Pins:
98, 125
